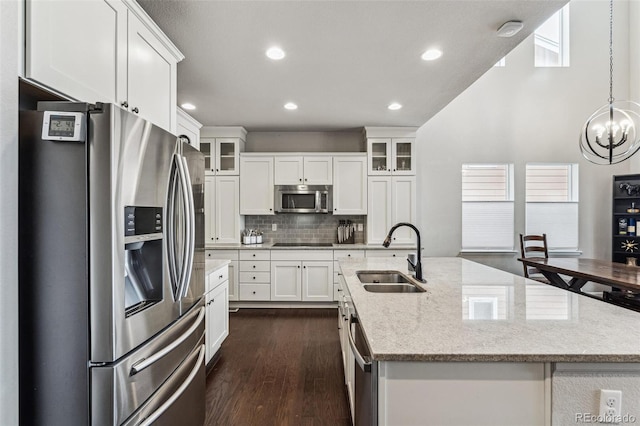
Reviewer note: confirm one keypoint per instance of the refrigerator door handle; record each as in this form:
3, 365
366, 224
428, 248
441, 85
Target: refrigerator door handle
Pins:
146, 362
171, 231
169, 402
185, 274
192, 226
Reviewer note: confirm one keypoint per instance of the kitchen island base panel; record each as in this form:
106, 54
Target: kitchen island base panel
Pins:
460, 393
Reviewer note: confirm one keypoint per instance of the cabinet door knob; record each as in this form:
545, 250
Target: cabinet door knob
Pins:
388, 170
220, 276
254, 278
254, 266
300, 179
393, 255
216, 238
124, 104
270, 210
305, 179
253, 292
254, 255
136, 110
348, 255
335, 210
304, 267
217, 170
394, 170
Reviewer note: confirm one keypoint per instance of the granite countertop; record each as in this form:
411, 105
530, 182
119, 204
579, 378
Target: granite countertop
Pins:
334, 246
471, 312
214, 264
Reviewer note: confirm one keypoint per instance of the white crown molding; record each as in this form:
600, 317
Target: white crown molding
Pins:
223, 132
390, 132
183, 115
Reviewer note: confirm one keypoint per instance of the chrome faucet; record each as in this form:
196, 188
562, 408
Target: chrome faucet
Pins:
417, 266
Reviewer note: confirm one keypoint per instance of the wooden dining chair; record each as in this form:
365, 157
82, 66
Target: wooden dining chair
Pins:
534, 247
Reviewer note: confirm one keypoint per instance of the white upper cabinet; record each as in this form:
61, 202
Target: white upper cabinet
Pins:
222, 210
151, 77
228, 156
221, 147
103, 51
391, 156
350, 185
391, 200
303, 170
289, 170
256, 185
403, 154
318, 170
78, 48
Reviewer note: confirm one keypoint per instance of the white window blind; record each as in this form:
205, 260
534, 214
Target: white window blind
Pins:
551, 41
552, 204
487, 207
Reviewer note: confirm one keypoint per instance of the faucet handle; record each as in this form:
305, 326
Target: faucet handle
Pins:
411, 259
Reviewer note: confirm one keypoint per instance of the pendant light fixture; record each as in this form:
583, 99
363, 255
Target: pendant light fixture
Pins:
610, 135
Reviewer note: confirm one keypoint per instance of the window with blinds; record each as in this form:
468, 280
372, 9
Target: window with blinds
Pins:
551, 41
487, 207
551, 192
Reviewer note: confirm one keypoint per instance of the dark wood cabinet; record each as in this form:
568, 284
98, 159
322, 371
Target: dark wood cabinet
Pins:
626, 209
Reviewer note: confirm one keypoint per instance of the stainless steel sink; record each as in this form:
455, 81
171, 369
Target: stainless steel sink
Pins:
387, 282
392, 288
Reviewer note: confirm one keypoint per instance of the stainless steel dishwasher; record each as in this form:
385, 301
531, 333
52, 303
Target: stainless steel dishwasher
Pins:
366, 377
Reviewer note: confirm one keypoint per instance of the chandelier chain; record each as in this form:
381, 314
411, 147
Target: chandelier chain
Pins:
611, 52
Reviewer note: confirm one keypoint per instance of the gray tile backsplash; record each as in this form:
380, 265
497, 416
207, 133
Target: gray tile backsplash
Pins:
293, 228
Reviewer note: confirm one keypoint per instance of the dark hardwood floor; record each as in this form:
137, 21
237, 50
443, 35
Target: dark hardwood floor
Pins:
279, 367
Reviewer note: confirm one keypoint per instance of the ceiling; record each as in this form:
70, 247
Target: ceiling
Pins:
346, 61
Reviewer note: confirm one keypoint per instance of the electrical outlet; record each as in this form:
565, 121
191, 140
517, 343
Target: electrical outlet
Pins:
610, 405
274, 226
360, 227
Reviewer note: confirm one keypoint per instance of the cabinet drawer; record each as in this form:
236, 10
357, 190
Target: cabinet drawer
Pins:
389, 253
217, 277
255, 266
222, 254
255, 255
338, 254
255, 277
255, 292
302, 255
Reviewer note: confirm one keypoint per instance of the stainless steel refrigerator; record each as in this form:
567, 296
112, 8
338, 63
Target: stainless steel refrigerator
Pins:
111, 253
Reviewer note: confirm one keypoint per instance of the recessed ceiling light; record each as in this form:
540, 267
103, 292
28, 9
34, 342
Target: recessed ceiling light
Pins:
394, 106
188, 106
290, 106
275, 53
431, 54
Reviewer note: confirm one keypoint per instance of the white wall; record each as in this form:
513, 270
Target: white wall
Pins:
8, 212
519, 114
347, 141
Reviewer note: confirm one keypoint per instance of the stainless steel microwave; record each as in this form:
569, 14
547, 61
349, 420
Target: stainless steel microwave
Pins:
303, 199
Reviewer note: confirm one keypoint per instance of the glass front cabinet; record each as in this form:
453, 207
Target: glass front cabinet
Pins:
221, 155
391, 156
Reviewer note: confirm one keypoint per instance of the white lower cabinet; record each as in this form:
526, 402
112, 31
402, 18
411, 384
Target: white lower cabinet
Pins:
317, 281
231, 255
286, 280
305, 275
217, 311
255, 275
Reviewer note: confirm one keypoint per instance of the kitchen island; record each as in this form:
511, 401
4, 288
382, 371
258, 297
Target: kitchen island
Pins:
483, 346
